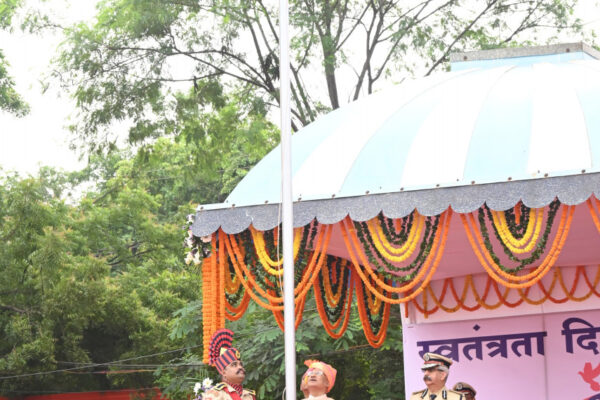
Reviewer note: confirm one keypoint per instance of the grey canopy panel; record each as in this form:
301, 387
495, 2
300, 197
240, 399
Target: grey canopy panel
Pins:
535, 193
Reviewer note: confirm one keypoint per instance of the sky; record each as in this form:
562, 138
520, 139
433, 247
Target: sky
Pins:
41, 137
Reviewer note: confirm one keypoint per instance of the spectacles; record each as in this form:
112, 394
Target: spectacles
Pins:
315, 372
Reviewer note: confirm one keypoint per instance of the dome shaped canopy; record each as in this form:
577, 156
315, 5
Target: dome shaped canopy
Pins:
514, 124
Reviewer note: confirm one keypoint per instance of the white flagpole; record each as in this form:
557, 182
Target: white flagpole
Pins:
286, 203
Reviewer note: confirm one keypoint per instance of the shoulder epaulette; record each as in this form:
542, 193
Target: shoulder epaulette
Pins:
419, 391
457, 393
252, 392
219, 386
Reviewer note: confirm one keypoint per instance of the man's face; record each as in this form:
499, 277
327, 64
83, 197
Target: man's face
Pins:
467, 394
434, 377
234, 373
317, 382
304, 385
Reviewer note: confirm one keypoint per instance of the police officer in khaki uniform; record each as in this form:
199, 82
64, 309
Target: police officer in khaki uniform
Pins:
435, 374
467, 390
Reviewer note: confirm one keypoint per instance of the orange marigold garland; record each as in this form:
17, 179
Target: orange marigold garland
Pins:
595, 212
254, 289
237, 298
209, 298
374, 324
334, 309
275, 289
508, 276
501, 295
393, 252
374, 283
298, 313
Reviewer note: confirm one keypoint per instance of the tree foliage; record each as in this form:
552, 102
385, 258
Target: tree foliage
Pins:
100, 278
10, 100
93, 282
130, 62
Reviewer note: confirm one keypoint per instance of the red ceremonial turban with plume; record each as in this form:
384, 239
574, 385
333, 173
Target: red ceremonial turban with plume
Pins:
221, 352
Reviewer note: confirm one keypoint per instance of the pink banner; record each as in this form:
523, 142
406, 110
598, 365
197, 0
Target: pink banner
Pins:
544, 356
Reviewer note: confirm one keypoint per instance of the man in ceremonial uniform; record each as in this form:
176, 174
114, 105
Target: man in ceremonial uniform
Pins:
466, 390
227, 361
435, 374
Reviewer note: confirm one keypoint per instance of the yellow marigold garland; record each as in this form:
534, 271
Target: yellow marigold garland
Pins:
529, 239
423, 277
266, 261
386, 249
503, 277
300, 291
236, 255
232, 284
332, 298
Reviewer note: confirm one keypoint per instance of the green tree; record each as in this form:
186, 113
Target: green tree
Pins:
88, 283
100, 278
128, 64
10, 100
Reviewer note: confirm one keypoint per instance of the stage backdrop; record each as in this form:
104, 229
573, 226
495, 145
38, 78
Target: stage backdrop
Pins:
544, 356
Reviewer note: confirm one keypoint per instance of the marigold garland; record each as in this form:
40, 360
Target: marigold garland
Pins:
498, 272
528, 240
392, 261
387, 249
237, 298
482, 300
210, 287
377, 236
333, 268
374, 325
232, 280
236, 312
220, 295
238, 255
540, 246
267, 262
423, 277
594, 211
334, 311
298, 312
251, 286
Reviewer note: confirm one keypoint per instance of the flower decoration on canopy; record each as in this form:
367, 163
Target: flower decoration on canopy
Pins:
519, 233
584, 285
391, 261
